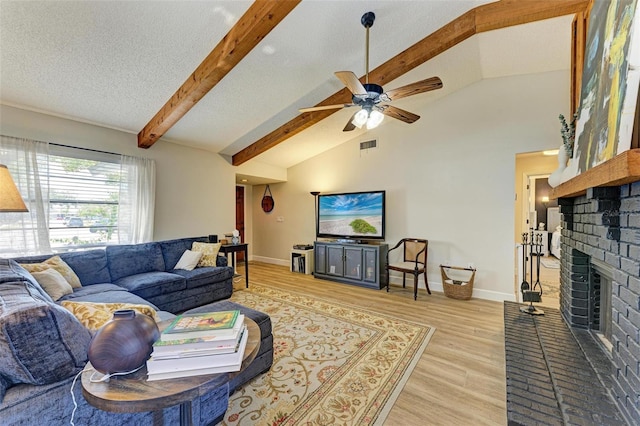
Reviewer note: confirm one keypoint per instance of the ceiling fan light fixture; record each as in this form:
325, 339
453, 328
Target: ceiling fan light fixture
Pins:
360, 118
375, 118
370, 96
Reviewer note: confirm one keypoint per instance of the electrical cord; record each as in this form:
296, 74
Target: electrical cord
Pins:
92, 379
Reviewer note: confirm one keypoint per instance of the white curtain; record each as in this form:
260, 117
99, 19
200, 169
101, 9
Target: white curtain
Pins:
26, 233
137, 200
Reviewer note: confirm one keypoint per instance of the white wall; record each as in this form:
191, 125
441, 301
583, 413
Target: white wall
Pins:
449, 177
195, 189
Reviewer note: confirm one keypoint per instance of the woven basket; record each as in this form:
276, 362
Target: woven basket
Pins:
454, 288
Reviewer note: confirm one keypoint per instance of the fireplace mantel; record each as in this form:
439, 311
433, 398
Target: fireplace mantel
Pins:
622, 169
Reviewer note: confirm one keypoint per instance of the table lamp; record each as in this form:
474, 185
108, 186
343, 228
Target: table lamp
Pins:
10, 199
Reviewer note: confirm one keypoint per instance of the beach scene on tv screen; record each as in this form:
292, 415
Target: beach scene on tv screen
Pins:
358, 215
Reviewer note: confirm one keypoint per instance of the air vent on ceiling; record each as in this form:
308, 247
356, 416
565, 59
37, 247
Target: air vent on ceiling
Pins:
368, 144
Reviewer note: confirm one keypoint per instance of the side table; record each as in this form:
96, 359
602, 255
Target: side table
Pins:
301, 261
233, 249
134, 394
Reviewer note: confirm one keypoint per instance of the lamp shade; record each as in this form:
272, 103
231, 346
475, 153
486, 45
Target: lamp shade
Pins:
10, 199
375, 118
360, 118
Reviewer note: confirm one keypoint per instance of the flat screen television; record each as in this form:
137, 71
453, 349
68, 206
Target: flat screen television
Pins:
351, 215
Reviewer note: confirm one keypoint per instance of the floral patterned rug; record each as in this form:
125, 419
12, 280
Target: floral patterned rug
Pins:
333, 364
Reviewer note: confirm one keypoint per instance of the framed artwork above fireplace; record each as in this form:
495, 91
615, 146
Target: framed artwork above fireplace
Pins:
609, 85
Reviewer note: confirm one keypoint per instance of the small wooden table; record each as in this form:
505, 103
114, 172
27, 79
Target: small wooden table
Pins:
233, 249
134, 394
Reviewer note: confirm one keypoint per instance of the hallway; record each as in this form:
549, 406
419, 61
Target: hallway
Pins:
550, 281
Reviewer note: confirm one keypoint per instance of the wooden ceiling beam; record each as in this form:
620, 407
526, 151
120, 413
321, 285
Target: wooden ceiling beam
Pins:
501, 14
261, 17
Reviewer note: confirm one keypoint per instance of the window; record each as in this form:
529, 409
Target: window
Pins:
84, 192
77, 198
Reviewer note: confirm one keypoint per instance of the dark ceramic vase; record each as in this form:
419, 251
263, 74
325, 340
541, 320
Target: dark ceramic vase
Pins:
124, 343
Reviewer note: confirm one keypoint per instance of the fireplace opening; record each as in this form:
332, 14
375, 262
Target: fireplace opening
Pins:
600, 277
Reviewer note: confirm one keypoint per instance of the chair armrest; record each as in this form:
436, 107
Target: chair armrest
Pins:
393, 248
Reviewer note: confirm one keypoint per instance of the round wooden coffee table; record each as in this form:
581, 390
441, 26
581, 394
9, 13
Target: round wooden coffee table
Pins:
133, 393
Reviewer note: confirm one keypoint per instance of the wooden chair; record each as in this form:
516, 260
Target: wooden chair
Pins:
414, 262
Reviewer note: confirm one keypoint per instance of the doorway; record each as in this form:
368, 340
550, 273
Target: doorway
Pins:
533, 207
240, 219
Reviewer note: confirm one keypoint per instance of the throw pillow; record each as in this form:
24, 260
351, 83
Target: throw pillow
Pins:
189, 260
41, 342
209, 253
53, 283
59, 265
95, 315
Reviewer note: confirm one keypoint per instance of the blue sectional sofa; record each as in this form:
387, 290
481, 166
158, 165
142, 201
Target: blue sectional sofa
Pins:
43, 346
146, 270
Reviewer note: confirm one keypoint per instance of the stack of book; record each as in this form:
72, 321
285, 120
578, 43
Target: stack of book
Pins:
195, 344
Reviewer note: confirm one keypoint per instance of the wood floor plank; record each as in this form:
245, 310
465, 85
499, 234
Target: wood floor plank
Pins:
460, 378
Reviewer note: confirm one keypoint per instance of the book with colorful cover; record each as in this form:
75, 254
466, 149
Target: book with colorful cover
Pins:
169, 334
187, 323
193, 346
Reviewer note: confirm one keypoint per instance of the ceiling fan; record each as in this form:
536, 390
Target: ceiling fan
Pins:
371, 98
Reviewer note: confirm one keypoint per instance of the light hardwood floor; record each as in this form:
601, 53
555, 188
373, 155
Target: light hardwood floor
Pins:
550, 275
460, 378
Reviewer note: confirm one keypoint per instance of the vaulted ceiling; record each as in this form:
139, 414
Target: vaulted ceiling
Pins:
117, 64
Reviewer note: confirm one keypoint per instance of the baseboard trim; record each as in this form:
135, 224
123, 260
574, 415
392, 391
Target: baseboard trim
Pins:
271, 260
478, 293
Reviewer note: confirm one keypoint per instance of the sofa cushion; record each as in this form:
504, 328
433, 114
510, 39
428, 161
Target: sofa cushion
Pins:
204, 276
106, 293
55, 262
53, 283
40, 342
95, 315
173, 249
153, 284
4, 385
134, 259
90, 266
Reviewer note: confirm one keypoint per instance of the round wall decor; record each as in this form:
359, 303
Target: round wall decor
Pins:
267, 200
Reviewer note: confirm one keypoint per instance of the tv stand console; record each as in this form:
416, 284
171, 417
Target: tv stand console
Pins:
351, 263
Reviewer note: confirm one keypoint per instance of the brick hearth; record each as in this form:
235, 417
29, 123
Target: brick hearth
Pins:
550, 379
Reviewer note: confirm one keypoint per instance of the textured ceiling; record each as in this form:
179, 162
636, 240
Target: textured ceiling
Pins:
116, 63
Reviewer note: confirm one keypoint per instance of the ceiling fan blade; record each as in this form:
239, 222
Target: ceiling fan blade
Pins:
421, 86
350, 126
350, 80
324, 107
400, 114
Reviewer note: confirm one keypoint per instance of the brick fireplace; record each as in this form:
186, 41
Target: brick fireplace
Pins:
600, 283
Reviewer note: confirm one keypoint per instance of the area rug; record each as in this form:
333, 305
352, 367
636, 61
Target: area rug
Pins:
333, 363
550, 263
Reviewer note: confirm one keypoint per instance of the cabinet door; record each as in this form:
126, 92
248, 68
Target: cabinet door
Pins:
335, 261
371, 265
353, 263
320, 254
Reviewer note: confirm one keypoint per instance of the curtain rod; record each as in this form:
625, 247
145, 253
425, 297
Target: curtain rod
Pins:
85, 149
65, 146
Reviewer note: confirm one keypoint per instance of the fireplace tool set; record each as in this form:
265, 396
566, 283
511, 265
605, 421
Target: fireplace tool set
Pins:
531, 292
